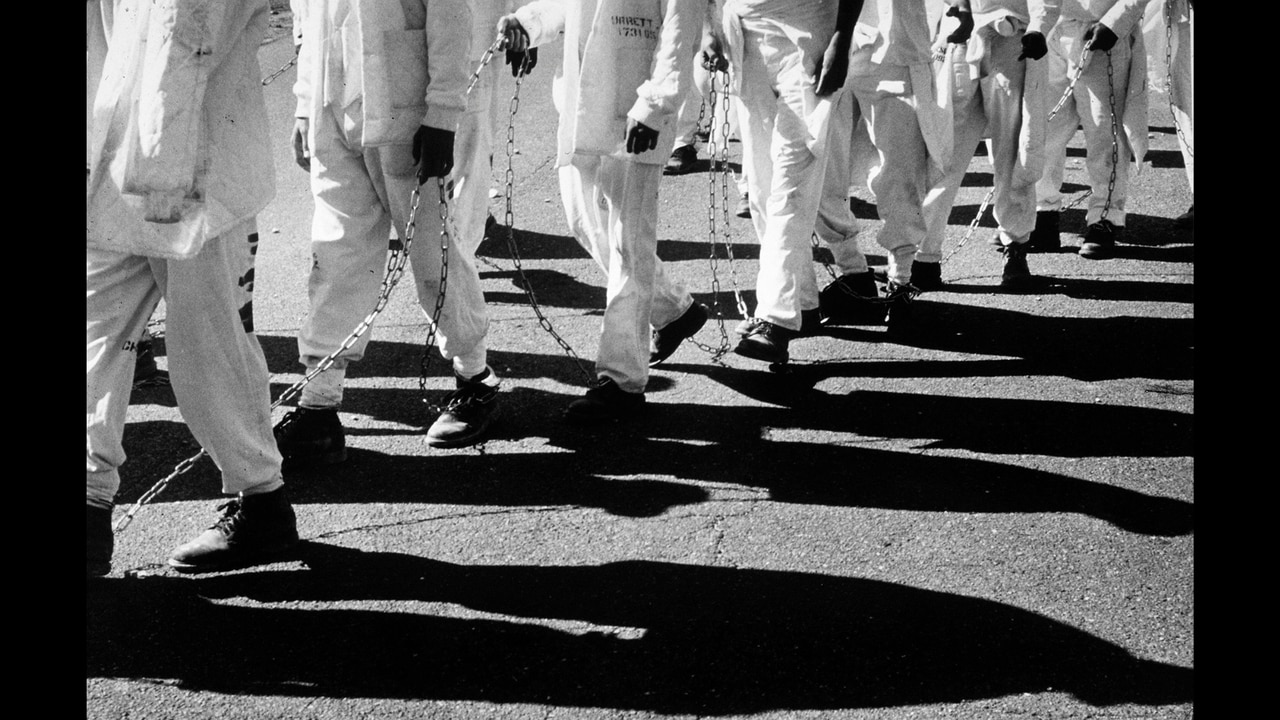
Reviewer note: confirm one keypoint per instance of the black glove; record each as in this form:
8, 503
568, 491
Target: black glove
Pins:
640, 137
1033, 46
1102, 37
433, 151
516, 59
963, 32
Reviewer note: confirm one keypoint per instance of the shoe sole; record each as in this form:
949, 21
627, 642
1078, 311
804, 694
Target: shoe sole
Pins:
657, 359
473, 439
260, 557
753, 351
1093, 253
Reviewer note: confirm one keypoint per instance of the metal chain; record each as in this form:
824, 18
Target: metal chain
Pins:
509, 219
1115, 141
718, 153
973, 226
268, 79
1071, 85
446, 231
399, 253
1115, 136
1168, 66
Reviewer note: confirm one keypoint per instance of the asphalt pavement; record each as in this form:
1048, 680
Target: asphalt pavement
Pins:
988, 516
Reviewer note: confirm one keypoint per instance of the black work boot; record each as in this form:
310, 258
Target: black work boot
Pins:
468, 412
605, 401
1016, 275
668, 339
899, 298
852, 299
1100, 240
765, 341
253, 529
926, 275
1045, 237
309, 436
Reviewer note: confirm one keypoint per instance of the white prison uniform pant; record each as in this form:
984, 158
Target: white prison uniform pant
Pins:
361, 195
1182, 96
899, 179
216, 366
692, 108
784, 176
837, 226
992, 107
1088, 107
611, 206
724, 113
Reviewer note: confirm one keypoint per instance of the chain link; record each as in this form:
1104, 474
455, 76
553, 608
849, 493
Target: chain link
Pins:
399, 254
1115, 137
509, 219
270, 78
973, 226
718, 178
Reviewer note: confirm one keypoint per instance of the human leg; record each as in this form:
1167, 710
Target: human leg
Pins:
221, 382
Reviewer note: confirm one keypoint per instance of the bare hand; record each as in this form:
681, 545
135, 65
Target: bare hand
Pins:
514, 36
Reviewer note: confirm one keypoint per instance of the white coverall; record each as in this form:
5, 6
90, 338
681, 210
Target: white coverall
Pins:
998, 96
638, 55
1091, 102
173, 192
892, 83
370, 72
773, 47
1177, 47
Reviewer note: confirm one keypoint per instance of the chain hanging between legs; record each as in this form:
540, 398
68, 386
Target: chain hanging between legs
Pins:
399, 253
718, 179
509, 219
973, 226
1168, 66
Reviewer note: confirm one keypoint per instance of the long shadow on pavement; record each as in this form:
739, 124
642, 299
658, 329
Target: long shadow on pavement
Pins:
636, 635
624, 469
1104, 348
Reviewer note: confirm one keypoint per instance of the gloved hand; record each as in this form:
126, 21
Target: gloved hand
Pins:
640, 137
963, 32
1033, 46
713, 53
1103, 39
433, 152
528, 59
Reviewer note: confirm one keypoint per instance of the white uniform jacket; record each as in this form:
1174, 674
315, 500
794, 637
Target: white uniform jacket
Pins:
898, 33
622, 59
1024, 16
408, 60
181, 150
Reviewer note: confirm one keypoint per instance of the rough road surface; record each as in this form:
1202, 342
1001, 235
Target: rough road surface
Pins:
988, 517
